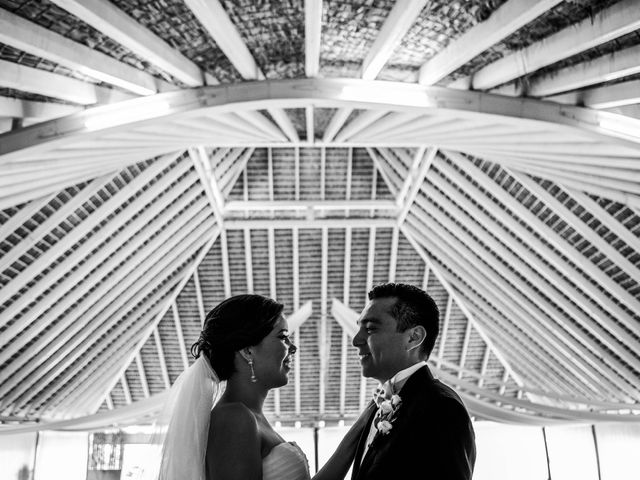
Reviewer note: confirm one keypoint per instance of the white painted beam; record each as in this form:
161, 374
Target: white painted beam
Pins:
179, 335
142, 375
606, 25
312, 35
508, 18
41, 42
217, 23
336, 123
611, 96
113, 22
28, 109
400, 19
416, 178
304, 205
33, 80
620, 64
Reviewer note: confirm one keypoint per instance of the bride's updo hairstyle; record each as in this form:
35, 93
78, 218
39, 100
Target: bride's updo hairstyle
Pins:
235, 323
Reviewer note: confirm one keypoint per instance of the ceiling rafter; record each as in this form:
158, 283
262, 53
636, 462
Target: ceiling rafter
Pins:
217, 23
531, 317
522, 295
402, 16
576, 223
118, 300
53, 221
125, 389
210, 237
199, 298
143, 375
80, 231
610, 96
41, 82
508, 18
179, 333
622, 63
544, 231
70, 291
532, 269
34, 110
415, 180
551, 357
615, 21
445, 331
335, 124
312, 36
41, 42
296, 304
113, 22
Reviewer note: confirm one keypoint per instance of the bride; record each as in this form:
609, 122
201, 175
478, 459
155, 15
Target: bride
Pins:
244, 351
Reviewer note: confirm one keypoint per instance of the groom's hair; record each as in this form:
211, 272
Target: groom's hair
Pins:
413, 307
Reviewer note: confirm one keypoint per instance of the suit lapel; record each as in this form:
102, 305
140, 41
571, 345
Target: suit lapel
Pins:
363, 440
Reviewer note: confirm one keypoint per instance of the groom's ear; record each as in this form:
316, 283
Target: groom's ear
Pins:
417, 336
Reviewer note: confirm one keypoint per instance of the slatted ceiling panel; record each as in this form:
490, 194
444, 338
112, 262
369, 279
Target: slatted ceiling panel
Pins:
187, 302
151, 362
178, 27
309, 174
332, 392
475, 354
335, 173
260, 260
210, 276
382, 255
309, 244
257, 180
274, 33
237, 262
408, 270
335, 265
117, 396
357, 269
169, 339
133, 381
283, 242
455, 335
284, 180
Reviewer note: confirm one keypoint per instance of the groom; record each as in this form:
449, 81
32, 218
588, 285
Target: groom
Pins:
417, 424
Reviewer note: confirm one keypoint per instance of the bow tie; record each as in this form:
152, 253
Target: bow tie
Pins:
382, 393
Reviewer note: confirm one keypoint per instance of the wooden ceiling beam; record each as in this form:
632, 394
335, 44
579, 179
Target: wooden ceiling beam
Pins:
601, 98
113, 22
207, 239
548, 317
508, 18
549, 235
620, 64
61, 350
41, 82
533, 269
41, 42
312, 36
606, 25
179, 333
29, 109
81, 230
214, 18
69, 292
402, 16
547, 347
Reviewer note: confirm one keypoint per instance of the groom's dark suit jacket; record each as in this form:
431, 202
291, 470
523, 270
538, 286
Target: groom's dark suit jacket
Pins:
432, 436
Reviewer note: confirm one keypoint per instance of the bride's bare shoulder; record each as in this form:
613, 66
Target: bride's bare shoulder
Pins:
234, 413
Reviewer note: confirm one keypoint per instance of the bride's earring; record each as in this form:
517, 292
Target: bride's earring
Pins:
253, 373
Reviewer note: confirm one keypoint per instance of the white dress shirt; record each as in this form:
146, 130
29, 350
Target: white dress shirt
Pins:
396, 382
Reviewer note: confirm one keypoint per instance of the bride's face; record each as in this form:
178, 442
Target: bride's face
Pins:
273, 356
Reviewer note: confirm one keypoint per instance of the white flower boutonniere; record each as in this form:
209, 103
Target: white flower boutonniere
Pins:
386, 415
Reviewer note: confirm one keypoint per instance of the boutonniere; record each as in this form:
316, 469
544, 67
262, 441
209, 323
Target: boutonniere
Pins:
387, 413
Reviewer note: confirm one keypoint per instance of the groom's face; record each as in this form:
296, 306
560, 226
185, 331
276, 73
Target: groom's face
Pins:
382, 349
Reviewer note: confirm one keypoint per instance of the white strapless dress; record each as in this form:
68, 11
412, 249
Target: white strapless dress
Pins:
285, 461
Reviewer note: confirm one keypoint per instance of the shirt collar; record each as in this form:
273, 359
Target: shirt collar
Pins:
398, 380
